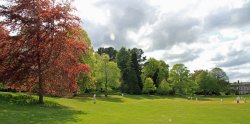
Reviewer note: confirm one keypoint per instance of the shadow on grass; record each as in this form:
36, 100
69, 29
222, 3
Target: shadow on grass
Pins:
12, 112
152, 97
100, 98
110, 99
202, 99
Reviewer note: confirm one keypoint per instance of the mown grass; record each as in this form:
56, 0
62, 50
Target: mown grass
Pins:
141, 109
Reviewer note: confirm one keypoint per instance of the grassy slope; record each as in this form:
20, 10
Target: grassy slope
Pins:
129, 109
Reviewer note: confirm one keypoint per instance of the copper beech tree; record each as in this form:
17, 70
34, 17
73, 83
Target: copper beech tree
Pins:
40, 46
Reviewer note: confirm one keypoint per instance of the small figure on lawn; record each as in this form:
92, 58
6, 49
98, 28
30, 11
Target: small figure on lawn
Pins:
221, 100
245, 100
238, 99
94, 98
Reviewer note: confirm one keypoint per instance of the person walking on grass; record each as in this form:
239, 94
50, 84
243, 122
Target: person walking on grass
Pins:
238, 100
94, 98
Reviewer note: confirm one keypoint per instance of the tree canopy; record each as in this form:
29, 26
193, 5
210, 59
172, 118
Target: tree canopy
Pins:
109, 51
107, 74
43, 55
157, 70
181, 80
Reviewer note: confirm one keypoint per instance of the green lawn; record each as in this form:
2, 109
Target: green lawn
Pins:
129, 109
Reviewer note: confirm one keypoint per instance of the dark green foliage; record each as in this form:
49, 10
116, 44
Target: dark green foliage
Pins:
222, 78
139, 55
213, 82
123, 62
157, 70
135, 70
133, 84
219, 74
130, 64
110, 51
207, 83
17, 99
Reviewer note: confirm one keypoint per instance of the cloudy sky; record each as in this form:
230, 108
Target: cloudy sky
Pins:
201, 34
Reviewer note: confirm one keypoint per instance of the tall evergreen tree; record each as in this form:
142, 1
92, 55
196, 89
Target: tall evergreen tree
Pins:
109, 51
130, 67
135, 75
138, 60
123, 62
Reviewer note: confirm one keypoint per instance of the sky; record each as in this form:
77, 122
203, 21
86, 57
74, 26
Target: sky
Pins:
202, 34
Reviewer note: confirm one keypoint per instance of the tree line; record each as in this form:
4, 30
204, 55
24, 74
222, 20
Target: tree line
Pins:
128, 71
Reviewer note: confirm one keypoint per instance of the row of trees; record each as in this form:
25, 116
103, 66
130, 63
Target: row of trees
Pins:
138, 75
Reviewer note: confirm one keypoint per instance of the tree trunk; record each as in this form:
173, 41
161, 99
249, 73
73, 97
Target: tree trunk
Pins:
40, 99
40, 85
40, 91
106, 80
106, 90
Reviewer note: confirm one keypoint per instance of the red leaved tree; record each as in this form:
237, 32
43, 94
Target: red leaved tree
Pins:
42, 51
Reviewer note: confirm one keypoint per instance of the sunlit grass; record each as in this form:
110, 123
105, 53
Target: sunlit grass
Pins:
129, 109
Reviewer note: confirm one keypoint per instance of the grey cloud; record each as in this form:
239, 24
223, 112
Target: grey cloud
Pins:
125, 15
218, 57
236, 58
234, 76
174, 29
188, 55
226, 17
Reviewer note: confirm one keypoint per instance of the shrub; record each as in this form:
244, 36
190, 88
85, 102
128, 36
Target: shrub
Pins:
149, 86
164, 88
17, 99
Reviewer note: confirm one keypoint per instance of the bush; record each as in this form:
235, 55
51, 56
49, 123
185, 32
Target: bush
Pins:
17, 99
164, 88
149, 86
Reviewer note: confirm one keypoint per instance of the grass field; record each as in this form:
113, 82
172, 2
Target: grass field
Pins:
129, 109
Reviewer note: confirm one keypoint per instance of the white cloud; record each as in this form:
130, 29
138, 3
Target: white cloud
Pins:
200, 34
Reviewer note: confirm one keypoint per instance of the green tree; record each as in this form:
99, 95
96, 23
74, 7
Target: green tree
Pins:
123, 61
87, 81
137, 60
207, 83
149, 86
129, 63
157, 70
110, 51
163, 73
196, 73
133, 83
107, 74
164, 88
134, 75
181, 80
222, 78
